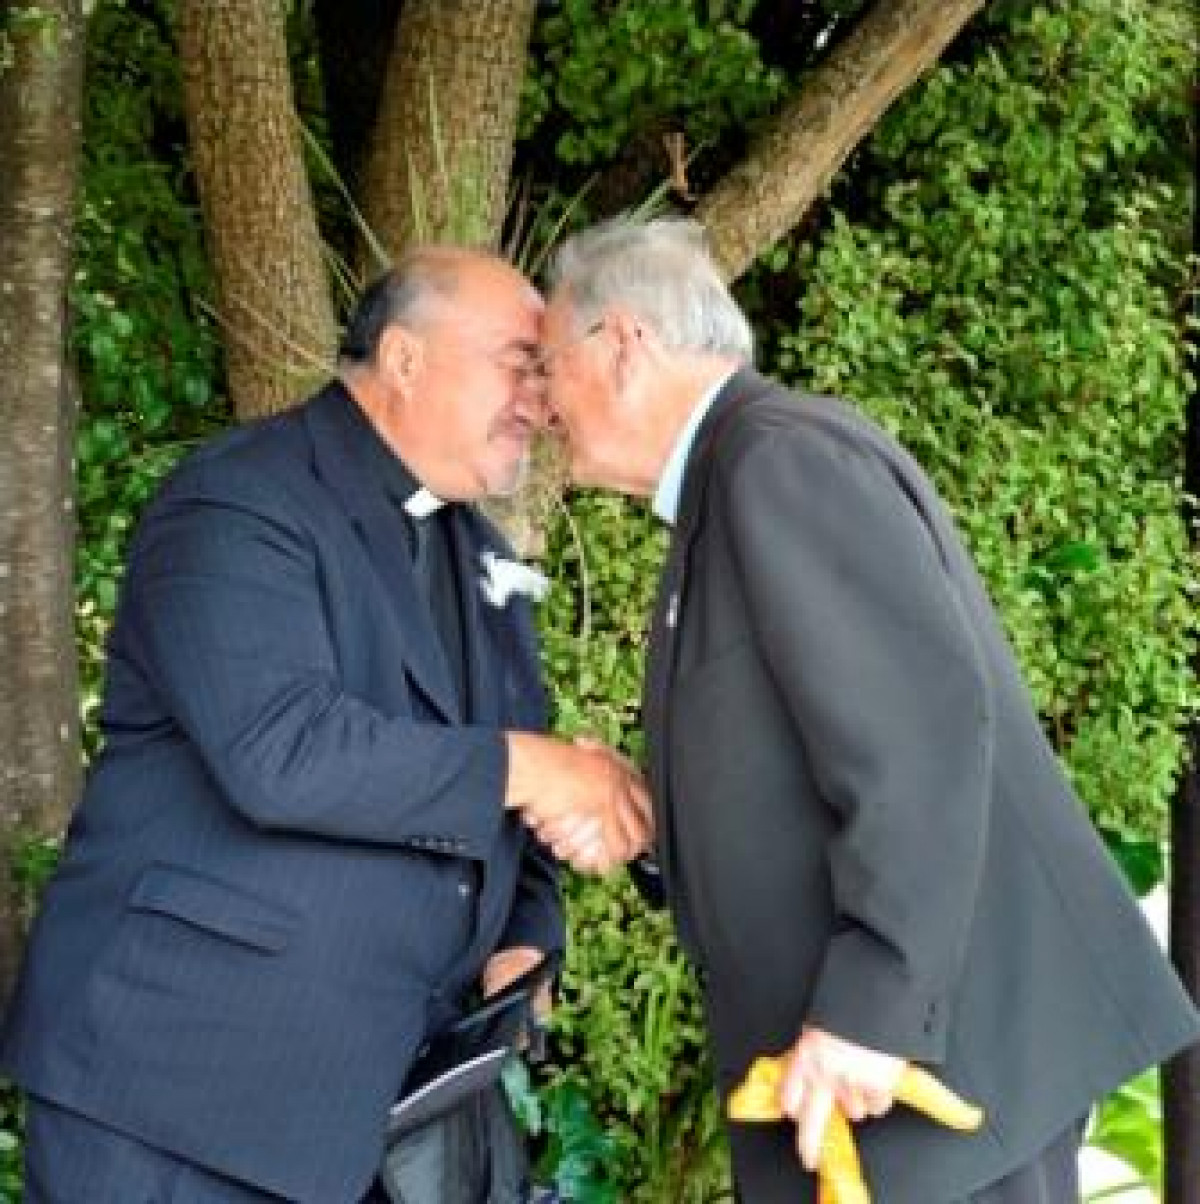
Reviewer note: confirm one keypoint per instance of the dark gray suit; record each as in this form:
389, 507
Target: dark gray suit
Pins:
861, 823
292, 857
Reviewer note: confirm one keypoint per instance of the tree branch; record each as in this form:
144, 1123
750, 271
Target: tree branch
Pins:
793, 160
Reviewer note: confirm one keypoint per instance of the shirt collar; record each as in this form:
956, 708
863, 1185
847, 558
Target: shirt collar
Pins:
670, 484
423, 503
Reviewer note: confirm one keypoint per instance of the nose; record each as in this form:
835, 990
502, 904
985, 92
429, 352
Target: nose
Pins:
532, 403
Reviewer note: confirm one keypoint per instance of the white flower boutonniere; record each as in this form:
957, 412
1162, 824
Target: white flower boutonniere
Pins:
503, 578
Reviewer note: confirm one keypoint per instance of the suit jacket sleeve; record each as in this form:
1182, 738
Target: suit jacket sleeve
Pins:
222, 614
864, 633
536, 918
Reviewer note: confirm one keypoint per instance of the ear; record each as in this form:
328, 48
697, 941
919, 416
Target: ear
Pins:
400, 358
629, 336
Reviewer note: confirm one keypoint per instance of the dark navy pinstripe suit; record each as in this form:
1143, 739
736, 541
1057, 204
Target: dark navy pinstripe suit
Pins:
292, 856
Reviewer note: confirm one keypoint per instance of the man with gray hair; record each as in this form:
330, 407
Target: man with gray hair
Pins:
871, 852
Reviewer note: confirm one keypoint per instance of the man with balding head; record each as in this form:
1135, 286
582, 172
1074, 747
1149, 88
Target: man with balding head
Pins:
307, 839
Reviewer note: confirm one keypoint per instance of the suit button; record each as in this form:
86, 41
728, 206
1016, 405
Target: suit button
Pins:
464, 889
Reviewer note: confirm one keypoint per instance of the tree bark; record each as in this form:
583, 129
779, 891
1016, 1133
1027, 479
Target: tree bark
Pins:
793, 160
443, 146
40, 99
272, 289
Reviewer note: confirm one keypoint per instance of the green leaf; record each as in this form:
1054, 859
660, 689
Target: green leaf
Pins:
1142, 861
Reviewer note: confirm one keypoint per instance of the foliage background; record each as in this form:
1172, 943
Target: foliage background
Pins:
996, 276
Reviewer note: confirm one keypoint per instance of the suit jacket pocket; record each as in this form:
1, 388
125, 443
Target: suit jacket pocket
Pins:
224, 910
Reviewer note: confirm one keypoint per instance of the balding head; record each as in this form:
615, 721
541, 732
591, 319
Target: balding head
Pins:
413, 290
400, 296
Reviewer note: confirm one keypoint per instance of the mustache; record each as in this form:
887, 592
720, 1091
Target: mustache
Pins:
513, 421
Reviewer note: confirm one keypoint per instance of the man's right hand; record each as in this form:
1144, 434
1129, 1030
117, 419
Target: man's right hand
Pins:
587, 803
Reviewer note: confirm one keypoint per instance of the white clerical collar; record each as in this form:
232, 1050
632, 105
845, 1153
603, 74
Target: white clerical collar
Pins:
423, 503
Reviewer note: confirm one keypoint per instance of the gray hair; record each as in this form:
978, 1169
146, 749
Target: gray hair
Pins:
663, 271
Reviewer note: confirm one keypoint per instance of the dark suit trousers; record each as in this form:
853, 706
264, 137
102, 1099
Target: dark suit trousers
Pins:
72, 1160
1052, 1178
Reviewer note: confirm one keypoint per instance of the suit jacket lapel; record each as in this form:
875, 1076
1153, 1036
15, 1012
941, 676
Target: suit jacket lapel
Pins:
504, 667
341, 465
666, 618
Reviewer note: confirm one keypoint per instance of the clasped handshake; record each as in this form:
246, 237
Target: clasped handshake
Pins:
587, 803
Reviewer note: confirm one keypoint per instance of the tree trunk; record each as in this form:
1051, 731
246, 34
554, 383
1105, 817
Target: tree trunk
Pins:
443, 145
796, 156
40, 97
272, 289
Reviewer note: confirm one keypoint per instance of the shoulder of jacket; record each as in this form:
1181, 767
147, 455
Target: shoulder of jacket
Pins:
782, 422
261, 444
259, 467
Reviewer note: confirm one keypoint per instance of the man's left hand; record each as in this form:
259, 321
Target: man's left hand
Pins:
507, 965
822, 1070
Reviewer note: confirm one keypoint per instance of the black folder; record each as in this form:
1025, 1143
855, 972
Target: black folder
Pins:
469, 1055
